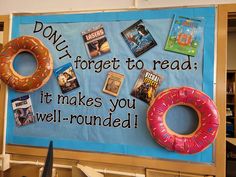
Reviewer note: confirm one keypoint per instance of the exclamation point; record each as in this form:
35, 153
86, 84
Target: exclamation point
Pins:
136, 121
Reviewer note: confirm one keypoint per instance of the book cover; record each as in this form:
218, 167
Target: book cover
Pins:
184, 36
66, 78
146, 86
113, 83
95, 41
23, 110
138, 38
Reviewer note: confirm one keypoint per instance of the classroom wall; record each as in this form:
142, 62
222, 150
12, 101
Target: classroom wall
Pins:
32, 6
14, 6
231, 64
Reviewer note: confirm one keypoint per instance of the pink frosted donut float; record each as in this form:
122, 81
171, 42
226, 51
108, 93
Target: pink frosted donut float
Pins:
192, 143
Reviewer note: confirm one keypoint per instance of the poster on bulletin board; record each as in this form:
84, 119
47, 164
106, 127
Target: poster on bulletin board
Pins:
93, 100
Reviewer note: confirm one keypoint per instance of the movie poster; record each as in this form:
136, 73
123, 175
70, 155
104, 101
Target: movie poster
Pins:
184, 36
96, 42
66, 78
113, 83
146, 85
138, 38
23, 110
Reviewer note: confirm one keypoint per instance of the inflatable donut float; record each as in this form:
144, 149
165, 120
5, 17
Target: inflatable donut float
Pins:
192, 143
44, 64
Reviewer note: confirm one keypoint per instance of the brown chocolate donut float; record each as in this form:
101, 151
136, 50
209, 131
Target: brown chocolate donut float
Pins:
44, 64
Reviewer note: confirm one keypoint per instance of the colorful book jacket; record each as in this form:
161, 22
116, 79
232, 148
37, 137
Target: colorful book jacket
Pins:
96, 42
66, 78
185, 35
23, 111
138, 38
146, 85
113, 83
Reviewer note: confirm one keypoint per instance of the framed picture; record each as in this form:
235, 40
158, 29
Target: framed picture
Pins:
113, 83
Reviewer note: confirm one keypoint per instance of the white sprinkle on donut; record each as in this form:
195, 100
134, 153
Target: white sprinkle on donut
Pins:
34, 46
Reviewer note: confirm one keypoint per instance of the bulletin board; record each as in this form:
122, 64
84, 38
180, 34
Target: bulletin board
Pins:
70, 122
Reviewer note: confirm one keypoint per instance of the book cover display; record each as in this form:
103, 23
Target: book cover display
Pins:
23, 110
184, 36
66, 78
146, 85
74, 109
96, 42
113, 83
138, 38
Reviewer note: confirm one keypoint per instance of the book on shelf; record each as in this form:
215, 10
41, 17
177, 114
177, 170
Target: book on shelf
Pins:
229, 112
230, 87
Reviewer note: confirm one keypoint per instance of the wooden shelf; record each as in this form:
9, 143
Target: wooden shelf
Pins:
230, 94
231, 140
231, 98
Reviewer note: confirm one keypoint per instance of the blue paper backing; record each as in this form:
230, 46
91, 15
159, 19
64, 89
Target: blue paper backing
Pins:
132, 141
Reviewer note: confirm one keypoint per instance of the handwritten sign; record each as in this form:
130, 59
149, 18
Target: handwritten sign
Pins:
86, 118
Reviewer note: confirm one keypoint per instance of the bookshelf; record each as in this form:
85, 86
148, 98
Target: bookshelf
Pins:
231, 104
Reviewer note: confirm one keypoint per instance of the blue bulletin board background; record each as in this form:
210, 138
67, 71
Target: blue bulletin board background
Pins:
128, 141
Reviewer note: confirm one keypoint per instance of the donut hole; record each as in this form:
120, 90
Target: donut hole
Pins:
182, 120
25, 64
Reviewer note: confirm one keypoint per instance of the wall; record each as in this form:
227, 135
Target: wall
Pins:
33, 6
1, 36
231, 64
